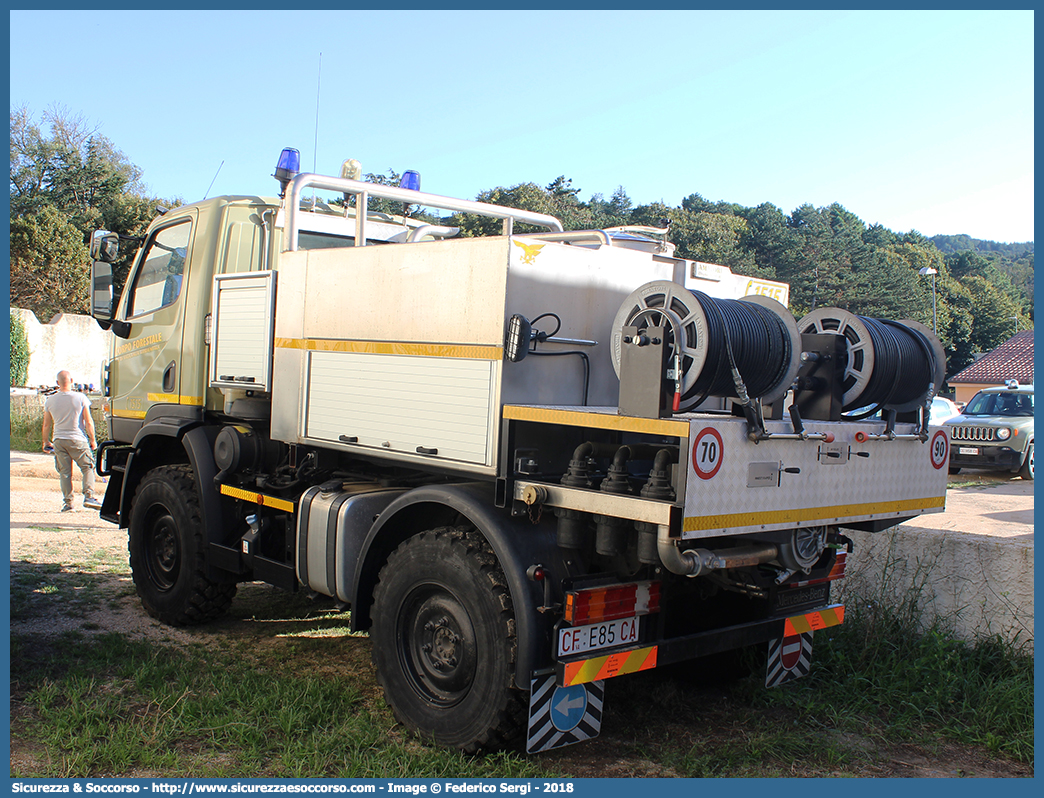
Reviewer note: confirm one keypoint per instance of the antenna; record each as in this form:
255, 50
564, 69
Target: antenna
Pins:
212, 181
315, 146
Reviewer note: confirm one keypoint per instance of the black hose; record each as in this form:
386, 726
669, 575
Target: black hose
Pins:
903, 366
746, 336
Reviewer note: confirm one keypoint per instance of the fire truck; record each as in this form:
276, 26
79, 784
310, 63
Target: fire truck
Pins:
528, 462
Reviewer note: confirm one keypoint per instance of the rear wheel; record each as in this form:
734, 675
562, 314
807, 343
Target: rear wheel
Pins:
444, 641
1026, 472
166, 551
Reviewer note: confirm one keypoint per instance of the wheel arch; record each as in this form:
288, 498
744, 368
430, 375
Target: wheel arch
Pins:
517, 544
171, 440
157, 443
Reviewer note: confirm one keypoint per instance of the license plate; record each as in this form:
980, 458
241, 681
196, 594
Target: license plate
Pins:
578, 639
967, 450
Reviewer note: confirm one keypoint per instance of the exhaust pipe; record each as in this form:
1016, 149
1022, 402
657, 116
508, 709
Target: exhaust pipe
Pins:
698, 562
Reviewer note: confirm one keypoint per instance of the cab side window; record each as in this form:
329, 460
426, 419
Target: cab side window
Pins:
158, 281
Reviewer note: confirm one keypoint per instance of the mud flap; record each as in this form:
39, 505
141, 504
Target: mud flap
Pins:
789, 658
561, 716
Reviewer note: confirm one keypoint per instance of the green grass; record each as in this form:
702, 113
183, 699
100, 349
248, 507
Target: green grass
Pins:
27, 424
290, 693
876, 672
875, 685
109, 705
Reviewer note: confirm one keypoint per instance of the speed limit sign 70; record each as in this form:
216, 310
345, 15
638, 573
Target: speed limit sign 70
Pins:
707, 453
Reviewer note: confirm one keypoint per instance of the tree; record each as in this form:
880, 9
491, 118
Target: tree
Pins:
715, 238
810, 269
993, 314
66, 183
564, 203
49, 264
73, 168
772, 240
524, 196
881, 285
955, 325
378, 204
615, 212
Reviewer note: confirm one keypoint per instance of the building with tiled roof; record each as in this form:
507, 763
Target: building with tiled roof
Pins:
1012, 360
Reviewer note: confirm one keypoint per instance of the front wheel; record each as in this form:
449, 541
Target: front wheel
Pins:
444, 641
1026, 472
166, 551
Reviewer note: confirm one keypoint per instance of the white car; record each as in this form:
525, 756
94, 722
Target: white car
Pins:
942, 409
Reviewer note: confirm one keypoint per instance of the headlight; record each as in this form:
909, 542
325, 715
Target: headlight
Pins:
1003, 434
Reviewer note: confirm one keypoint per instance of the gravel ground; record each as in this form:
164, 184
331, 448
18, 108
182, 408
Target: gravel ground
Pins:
42, 534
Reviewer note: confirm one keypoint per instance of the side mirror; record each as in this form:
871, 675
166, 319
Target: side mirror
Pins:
105, 246
101, 292
102, 300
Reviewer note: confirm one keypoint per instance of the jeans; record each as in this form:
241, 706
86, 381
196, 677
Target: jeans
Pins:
65, 452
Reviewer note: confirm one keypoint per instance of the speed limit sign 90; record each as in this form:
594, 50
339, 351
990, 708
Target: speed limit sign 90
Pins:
707, 453
940, 449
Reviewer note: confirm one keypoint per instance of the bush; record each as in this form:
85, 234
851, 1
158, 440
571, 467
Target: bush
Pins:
19, 352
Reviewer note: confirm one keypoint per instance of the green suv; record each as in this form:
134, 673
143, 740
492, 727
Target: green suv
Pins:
995, 431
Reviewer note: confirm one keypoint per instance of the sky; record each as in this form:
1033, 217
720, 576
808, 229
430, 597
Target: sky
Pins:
912, 120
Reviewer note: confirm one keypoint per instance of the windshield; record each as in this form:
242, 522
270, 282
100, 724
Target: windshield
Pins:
307, 239
1000, 404
310, 240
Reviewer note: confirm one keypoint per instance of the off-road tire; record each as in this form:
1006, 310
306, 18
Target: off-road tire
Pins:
444, 641
1026, 471
166, 547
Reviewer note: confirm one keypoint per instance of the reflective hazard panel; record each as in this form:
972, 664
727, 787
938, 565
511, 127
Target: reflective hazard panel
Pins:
562, 715
811, 621
789, 658
606, 667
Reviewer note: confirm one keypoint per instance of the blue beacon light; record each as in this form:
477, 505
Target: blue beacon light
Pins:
411, 180
289, 165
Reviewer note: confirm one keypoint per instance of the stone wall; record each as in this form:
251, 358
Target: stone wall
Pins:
970, 585
68, 341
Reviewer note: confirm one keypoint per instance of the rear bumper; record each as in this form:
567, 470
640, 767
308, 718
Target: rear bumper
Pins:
644, 657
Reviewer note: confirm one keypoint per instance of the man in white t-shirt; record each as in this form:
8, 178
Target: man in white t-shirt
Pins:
68, 431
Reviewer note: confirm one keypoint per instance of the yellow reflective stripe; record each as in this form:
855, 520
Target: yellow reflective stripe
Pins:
129, 413
258, 498
810, 622
835, 513
580, 418
175, 399
592, 670
474, 352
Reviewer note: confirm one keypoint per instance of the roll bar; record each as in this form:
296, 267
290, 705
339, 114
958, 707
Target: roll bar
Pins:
362, 192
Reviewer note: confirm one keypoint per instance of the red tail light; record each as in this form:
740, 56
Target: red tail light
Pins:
596, 604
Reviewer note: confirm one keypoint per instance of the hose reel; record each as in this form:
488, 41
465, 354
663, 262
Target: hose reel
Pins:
756, 335
897, 365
